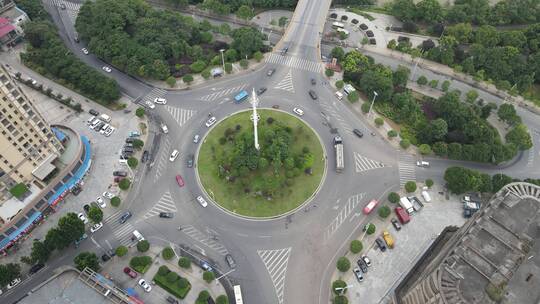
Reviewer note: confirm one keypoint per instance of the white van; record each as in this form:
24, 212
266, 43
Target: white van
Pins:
426, 196
105, 118
339, 95
138, 235
91, 120
94, 124
348, 89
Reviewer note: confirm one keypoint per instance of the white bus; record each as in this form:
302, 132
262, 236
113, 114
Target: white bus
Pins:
238, 294
338, 25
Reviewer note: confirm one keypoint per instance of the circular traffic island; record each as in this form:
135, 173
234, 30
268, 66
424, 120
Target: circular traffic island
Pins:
279, 177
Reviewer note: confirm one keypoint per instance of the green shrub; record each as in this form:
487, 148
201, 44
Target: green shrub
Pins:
365, 107
343, 264
371, 229
424, 149
356, 246
197, 66
132, 162
384, 211
393, 197
228, 67
179, 287
18, 190
329, 72
121, 251
405, 143
203, 297
167, 253
341, 300
140, 263
115, 201
392, 133
338, 284
222, 299
208, 276
429, 183
258, 56
171, 81
139, 112
143, 246
422, 80
137, 143
379, 121
163, 270
340, 84
206, 73
434, 83
124, 184
184, 262
244, 63
353, 97
410, 186
187, 78
171, 277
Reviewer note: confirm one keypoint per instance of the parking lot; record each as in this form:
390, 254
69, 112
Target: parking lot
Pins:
389, 267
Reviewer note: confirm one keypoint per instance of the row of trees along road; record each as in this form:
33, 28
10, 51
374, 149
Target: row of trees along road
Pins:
145, 42
447, 126
47, 55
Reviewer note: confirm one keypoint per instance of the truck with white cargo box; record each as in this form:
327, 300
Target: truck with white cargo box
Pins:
338, 146
406, 204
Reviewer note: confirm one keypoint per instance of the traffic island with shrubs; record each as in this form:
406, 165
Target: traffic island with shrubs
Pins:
141, 263
172, 282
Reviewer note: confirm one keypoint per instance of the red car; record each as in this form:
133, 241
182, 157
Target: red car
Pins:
180, 181
130, 272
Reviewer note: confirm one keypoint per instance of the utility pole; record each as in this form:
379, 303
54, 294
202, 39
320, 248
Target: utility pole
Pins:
255, 117
372, 102
222, 59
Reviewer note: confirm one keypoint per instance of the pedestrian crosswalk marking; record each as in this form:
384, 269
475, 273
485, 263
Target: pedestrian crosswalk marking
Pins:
155, 93
407, 169
181, 116
164, 204
363, 163
209, 241
122, 232
72, 9
216, 95
163, 158
342, 215
286, 83
294, 62
276, 262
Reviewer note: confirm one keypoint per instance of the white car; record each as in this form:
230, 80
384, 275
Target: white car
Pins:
107, 69
196, 138
83, 218
104, 129
211, 121
164, 128
160, 100
85, 51
202, 201
108, 195
109, 131
174, 155
422, 163
14, 283
96, 227
145, 285
298, 111
101, 202
150, 104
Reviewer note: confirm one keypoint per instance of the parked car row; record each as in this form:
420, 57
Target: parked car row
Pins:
101, 124
363, 263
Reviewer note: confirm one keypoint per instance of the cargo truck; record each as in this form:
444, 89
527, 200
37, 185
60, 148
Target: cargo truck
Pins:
388, 239
406, 204
338, 146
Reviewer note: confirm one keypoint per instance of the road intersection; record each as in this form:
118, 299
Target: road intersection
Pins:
281, 260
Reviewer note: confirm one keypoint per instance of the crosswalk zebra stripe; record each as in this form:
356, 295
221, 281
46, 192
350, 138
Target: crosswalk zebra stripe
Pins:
276, 262
294, 62
406, 168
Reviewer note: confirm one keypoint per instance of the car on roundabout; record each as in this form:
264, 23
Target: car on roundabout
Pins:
107, 69
211, 121
180, 181
85, 51
160, 100
150, 104
298, 111
174, 155
202, 201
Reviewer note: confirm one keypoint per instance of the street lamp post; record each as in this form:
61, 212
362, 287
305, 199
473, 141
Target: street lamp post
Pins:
372, 102
255, 117
222, 58
342, 289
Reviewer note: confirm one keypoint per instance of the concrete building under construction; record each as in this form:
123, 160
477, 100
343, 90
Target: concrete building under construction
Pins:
493, 258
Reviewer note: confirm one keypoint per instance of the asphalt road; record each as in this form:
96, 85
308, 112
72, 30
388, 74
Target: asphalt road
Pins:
284, 260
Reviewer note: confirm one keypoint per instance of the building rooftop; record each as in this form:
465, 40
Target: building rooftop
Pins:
493, 256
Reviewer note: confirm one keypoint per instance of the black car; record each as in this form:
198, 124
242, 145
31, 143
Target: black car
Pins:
35, 268
285, 50
105, 257
380, 244
120, 173
229, 259
260, 91
358, 133
86, 208
372, 41
125, 217
145, 156
129, 140
76, 190
313, 81
313, 94
363, 26
190, 161
370, 34
166, 214
127, 149
172, 300
362, 265
93, 112
396, 224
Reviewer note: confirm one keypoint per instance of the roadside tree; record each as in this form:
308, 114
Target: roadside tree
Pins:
95, 214
343, 264
356, 246
410, 186
86, 259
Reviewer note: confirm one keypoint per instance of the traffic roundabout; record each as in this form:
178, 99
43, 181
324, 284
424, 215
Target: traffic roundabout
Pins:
278, 178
